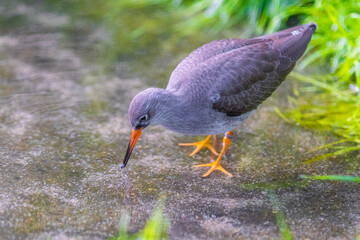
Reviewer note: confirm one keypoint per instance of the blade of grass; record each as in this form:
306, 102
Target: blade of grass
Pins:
332, 178
123, 226
319, 84
282, 115
333, 154
280, 216
157, 227
330, 145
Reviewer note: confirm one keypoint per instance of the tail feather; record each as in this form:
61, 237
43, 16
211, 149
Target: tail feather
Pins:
292, 31
293, 42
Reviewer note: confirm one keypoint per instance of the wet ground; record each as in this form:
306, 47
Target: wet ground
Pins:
64, 131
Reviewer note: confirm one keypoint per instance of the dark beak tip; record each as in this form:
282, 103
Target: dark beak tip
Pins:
134, 137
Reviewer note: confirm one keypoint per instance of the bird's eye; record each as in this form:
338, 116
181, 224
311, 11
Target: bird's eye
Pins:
143, 118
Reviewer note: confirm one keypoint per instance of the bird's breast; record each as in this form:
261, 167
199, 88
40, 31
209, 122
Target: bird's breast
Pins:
208, 122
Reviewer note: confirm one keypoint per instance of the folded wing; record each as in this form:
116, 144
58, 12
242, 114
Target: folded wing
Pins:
251, 75
236, 75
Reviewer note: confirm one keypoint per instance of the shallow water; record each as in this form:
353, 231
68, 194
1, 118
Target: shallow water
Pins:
64, 131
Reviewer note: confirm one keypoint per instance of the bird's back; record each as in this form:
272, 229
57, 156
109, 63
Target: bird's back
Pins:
236, 75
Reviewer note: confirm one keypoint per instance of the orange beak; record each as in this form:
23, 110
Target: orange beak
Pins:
134, 137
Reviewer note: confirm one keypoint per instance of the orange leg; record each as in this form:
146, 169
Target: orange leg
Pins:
200, 145
216, 165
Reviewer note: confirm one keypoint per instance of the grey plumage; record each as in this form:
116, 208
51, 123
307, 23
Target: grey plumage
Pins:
243, 72
221, 83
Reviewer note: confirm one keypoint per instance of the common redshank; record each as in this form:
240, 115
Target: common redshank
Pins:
218, 86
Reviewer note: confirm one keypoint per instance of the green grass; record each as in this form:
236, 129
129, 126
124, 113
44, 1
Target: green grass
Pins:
323, 106
337, 40
331, 100
332, 178
156, 228
256, 16
280, 216
270, 189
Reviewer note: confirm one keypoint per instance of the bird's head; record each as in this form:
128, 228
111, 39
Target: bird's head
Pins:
142, 113
142, 109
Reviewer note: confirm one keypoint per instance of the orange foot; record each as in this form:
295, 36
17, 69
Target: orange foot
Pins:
216, 165
200, 145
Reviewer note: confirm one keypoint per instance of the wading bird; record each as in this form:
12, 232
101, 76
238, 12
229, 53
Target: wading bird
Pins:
218, 86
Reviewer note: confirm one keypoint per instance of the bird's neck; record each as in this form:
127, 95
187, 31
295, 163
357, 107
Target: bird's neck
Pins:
170, 109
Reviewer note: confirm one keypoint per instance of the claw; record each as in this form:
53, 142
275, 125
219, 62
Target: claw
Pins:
216, 165
200, 145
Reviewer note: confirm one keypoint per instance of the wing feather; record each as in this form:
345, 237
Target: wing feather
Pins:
265, 67
236, 75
